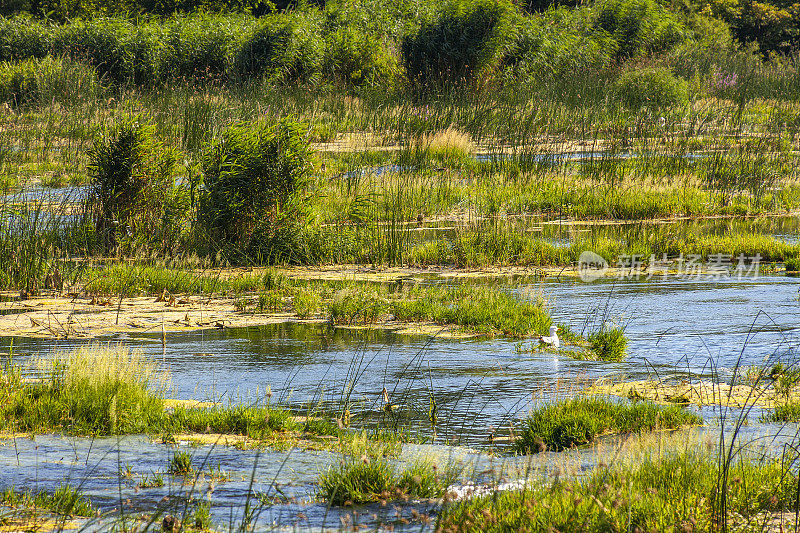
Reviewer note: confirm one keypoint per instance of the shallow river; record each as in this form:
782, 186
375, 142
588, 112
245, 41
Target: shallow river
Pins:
675, 327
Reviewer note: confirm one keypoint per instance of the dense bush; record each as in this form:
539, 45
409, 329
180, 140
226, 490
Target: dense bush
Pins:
354, 58
22, 38
35, 81
639, 26
461, 44
253, 204
285, 48
119, 50
132, 180
201, 46
651, 88
540, 54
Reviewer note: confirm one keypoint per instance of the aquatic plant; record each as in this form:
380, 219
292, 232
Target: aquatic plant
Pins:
577, 421
180, 464
371, 478
93, 389
608, 343
65, 500
132, 175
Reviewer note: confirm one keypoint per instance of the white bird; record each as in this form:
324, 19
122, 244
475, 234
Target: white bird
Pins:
551, 339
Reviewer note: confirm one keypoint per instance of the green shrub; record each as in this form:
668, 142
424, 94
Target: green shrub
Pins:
201, 47
355, 58
255, 177
792, 264
41, 82
180, 464
285, 48
120, 51
651, 88
639, 27
370, 478
132, 182
357, 305
307, 303
94, 389
24, 38
464, 41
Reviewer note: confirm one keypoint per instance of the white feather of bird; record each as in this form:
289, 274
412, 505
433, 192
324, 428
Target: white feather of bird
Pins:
551, 339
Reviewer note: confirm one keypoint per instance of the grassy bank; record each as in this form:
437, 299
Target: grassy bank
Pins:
678, 490
109, 390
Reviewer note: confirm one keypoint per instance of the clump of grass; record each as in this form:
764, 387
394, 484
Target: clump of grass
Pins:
253, 202
64, 501
358, 480
608, 343
255, 422
792, 264
357, 305
666, 492
482, 309
270, 301
578, 421
180, 464
93, 389
307, 302
132, 179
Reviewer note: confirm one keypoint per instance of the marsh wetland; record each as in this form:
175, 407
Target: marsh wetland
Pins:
462, 266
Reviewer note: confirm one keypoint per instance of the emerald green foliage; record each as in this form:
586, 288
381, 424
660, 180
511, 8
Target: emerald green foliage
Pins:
665, 492
23, 38
201, 47
608, 343
254, 422
463, 42
639, 27
180, 464
354, 58
307, 302
254, 202
120, 51
369, 478
792, 264
133, 196
65, 500
110, 390
285, 48
651, 88
42, 82
483, 309
578, 421
354, 306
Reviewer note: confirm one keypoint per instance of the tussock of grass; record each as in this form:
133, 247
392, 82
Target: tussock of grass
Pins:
357, 480
111, 390
64, 501
608, 343
255, 422
672, 492
578, 421
94, 389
